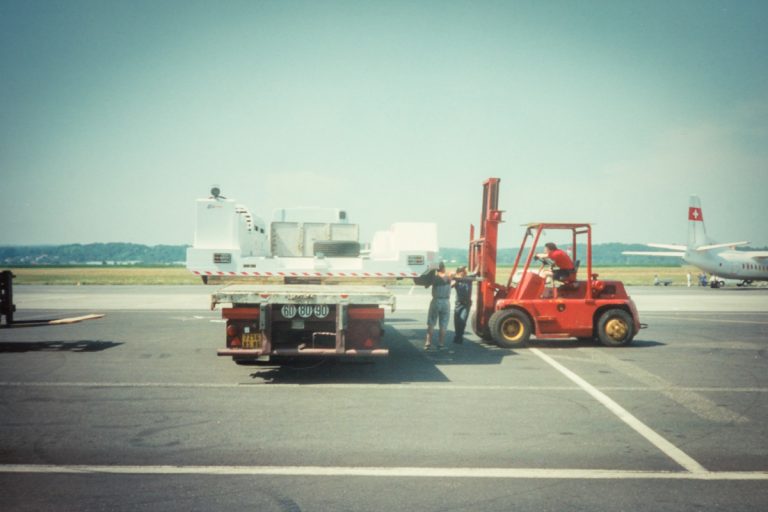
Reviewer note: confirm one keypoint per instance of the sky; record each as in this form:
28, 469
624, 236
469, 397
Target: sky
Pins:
116, 115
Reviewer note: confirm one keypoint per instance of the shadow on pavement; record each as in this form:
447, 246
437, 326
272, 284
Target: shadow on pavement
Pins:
570, 343
407, 363
56, 346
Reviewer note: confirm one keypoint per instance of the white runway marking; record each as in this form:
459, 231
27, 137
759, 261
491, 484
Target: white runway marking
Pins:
691, 400
641, 428
391, 472
355, 386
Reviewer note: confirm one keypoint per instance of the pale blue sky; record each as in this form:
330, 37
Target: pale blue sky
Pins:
115, 116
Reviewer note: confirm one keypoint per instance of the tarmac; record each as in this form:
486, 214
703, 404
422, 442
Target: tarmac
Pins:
134, 411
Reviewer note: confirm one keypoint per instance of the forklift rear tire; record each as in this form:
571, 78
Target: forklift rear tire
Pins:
615, 328
510, 328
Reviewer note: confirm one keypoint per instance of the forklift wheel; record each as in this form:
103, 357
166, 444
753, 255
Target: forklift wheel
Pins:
510, 328
484, 334
615, 328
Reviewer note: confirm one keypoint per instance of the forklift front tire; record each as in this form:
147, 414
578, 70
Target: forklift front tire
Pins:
485, 333
510, 328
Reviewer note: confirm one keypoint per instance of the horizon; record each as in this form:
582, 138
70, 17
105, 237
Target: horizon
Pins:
444, 247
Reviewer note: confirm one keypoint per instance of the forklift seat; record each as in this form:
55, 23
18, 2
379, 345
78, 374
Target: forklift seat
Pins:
571, 277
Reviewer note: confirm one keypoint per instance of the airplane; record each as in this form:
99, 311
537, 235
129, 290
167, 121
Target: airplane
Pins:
720, 260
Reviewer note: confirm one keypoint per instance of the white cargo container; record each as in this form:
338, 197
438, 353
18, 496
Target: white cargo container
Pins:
230, 241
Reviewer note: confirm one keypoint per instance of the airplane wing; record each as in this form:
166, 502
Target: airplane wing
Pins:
702, 248
758, 255
654, 253
671, 247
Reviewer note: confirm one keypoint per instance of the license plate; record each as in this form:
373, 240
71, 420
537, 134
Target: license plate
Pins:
251, 340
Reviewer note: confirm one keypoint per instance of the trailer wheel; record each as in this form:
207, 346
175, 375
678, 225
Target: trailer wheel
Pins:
337, 248
483, 334
240, 361
510, 328
615, 328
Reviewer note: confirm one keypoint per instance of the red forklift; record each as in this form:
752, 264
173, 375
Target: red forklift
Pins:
531, 304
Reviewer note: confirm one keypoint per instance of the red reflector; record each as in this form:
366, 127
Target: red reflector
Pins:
240, 313
231, 331
366, 314
235, 342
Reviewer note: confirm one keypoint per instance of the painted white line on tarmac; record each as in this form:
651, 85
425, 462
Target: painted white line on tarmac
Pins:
391, 472
266, 386
670, 450
355, 386
695, 402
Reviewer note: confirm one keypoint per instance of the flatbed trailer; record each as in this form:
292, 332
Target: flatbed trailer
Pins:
272, 321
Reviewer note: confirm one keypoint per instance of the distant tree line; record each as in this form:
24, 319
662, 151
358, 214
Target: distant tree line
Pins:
93, 254
609, 254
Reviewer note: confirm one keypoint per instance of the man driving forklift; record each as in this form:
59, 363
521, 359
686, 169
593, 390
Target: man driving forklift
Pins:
562, 265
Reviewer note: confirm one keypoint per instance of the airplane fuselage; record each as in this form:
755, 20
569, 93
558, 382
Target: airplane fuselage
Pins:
728, 264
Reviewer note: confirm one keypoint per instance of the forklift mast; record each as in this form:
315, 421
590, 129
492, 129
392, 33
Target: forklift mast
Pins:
482, 250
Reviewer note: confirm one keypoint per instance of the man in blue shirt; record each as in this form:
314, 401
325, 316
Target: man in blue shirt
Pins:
461, 308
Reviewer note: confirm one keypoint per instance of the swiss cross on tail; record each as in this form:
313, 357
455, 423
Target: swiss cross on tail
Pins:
695, 214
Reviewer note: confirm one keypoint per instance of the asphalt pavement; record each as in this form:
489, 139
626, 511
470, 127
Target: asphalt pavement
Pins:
134, 411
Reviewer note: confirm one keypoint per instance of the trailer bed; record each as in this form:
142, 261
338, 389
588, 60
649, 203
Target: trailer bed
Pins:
239, 294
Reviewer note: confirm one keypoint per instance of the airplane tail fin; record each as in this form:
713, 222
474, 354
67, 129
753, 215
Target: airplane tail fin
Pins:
697, 233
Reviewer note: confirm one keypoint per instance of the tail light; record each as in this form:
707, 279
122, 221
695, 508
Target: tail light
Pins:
233, 336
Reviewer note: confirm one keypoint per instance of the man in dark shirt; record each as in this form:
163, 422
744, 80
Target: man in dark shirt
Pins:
463, 303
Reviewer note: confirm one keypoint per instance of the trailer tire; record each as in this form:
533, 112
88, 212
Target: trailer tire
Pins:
510, 328
245, 362
483, 334
615, 328
336, 248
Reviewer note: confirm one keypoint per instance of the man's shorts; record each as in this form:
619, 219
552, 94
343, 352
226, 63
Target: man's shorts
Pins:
561, 274
439, 309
